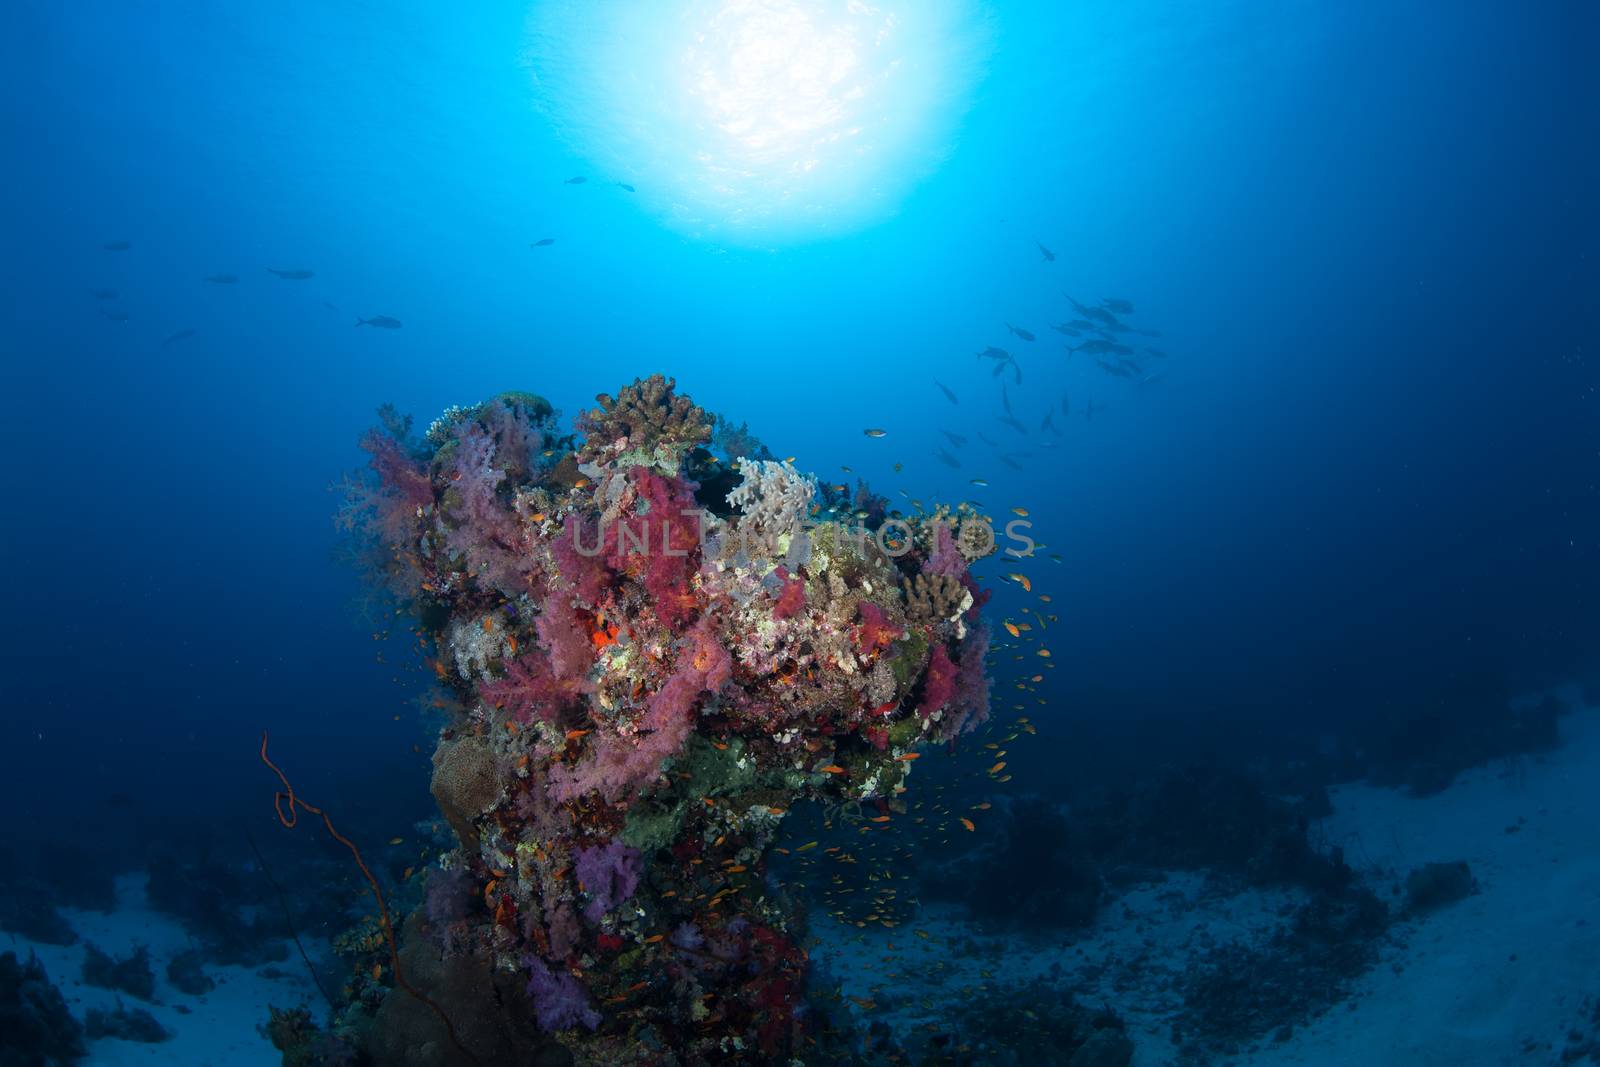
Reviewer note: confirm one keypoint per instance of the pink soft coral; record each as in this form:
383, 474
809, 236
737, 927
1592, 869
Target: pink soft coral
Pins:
619, 765
482, 530
531, 690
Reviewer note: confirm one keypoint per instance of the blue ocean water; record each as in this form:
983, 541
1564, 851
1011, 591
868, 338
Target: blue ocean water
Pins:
1359, 481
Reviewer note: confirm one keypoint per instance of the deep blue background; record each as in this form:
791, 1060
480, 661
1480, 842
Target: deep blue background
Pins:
1367, 231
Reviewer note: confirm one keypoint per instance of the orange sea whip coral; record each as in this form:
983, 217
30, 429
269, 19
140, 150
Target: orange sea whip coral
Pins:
284, 805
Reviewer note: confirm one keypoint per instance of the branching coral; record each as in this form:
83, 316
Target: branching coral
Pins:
647, 413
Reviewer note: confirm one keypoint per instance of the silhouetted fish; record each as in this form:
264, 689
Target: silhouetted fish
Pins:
543, 242
1020, 332
625, 185
955, 438
1049, 256
985, 440
579, 180
297, 275
103, 294
181, 335
329, 306
945, 389
221, 279
1118, 305
117, 246
946, 458
382, 322
994, 353
1094, 346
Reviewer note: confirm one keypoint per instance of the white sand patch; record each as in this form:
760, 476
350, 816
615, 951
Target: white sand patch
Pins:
219, 1028
1499, 978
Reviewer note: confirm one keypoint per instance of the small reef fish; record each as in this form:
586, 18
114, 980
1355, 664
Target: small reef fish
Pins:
543, 242
298, 274
949, 394
181, 335
117, 246
103, 294
875, 432
980, 483
221, 279
579, 180
1018, 331
1045, 254
382, 322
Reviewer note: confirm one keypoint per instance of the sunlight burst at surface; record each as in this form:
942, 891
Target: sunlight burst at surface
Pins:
759, 120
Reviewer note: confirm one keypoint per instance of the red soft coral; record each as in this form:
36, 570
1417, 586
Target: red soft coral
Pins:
939, 684
660, 544
876, 632
791, 597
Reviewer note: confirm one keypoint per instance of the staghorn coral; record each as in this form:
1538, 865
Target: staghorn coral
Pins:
630, 716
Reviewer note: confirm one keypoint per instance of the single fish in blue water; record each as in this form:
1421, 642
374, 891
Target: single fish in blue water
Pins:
949, 394
1045, 253
1117, 305
1020, 332
946, 458
221, 279
954, 438
382, 322
298, 274
1068, 329
543, 242
875, 432
1049, 422
579, 180
994, 353
1094, 347
1013, 422
625, 185
181, 335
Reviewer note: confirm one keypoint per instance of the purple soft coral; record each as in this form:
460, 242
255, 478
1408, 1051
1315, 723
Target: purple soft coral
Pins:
559, 1000
609, 875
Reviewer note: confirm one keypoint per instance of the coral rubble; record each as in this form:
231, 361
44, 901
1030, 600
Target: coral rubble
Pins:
650, 655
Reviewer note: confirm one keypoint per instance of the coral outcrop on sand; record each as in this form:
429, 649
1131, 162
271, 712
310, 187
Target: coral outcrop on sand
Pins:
650, 654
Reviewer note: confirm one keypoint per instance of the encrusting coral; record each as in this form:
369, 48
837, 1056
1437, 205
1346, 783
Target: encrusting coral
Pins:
633, 714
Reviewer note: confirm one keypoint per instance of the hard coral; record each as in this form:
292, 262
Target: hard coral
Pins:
646, 413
